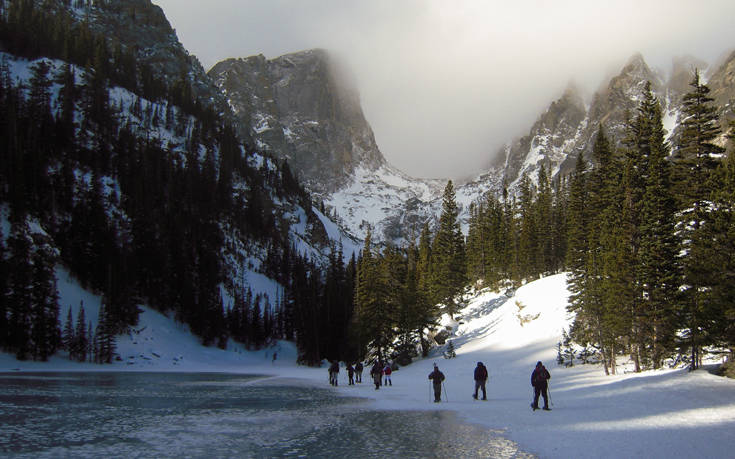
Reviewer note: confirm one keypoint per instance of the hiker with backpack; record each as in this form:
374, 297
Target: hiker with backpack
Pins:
387, 372
540, 382
480, 380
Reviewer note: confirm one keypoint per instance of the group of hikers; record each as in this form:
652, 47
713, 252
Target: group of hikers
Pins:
381, 375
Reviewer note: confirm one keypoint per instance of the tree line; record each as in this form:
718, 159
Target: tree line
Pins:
646, 233
650, 239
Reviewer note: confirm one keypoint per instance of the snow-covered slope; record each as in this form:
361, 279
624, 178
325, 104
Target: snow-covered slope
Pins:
667, 413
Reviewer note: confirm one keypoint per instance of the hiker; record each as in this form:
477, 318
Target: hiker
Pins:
377, 373
334, 373
350, 375
540, 382
386, 372
358, 372
480, 380
275, 356
437, 378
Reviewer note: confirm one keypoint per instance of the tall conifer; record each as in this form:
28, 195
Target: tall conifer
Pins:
695, 160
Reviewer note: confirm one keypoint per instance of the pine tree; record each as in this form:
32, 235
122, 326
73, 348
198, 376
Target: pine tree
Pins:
105, 334
20, 297
528, 238
371, 301
45, 333
543, 211
695, 160
658, 278
81, 342
718, 247
448, 255
67, 336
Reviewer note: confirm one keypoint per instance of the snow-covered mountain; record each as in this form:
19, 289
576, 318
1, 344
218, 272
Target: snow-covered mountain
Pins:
147, 139
567, 128
303, 107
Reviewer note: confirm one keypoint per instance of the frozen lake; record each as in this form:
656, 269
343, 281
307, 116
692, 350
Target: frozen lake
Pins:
218, 415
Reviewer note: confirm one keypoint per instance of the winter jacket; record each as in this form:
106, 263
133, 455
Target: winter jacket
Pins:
480, 373
437, 376
540, 377
376, 370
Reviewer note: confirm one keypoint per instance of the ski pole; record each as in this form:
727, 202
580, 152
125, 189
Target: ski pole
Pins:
548, 391
430, 390
446, 397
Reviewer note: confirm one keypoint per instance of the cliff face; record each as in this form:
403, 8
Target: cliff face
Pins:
567, 130
722, 85
302, 107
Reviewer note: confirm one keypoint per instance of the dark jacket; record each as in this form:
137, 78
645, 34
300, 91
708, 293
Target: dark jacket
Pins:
480, 372
376, 370
437, 376
540, 376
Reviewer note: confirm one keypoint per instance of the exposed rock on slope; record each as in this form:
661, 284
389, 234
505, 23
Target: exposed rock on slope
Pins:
302, 107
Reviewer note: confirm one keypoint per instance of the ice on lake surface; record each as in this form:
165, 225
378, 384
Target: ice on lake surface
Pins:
218, 415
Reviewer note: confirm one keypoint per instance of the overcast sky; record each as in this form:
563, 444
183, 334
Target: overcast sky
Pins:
445, 83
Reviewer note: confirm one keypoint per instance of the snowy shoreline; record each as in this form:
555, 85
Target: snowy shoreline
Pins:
651, 414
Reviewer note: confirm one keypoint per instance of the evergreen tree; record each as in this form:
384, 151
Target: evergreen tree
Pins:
81, 342
105, 334
544, 213
373, 322
20, 296
528, 237
45, 333
657, 274
67, 336
448, 255
695, 160
718, 247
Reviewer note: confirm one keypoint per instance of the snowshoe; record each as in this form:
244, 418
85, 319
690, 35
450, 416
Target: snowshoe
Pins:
546, 408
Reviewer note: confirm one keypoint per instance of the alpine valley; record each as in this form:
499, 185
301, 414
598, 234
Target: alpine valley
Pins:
239, 201
304, 108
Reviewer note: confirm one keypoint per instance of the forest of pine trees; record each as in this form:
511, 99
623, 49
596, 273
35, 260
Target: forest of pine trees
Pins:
650, 239
646, 231
131, 219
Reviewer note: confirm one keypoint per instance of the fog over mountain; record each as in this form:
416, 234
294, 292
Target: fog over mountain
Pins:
445, 84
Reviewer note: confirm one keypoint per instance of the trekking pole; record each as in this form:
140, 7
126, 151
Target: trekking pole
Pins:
430, 391
446, 397
548, 391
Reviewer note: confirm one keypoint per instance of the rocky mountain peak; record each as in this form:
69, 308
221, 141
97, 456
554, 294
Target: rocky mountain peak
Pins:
722, 86
682, 69
303, 107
